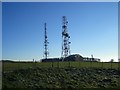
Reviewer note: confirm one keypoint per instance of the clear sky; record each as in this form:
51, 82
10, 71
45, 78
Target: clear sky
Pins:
0, 31
60, 0
93, 27
119, 31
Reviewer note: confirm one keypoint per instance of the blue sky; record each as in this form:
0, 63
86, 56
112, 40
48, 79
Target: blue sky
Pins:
93, 28
60, 0
0, 31
119, 31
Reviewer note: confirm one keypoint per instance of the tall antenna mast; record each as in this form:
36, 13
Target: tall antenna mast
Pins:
65, 38
46, 52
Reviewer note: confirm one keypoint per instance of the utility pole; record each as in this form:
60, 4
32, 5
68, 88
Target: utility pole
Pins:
46, 52
65, 38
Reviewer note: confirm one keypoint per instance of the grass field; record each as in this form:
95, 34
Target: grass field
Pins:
61, 75
21, 65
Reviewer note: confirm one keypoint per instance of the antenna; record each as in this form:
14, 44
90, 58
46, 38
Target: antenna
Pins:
92, 58
65, 38
46, 52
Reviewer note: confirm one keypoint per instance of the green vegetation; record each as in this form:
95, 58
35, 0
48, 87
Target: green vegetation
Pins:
61, 75
21, 65
61, 78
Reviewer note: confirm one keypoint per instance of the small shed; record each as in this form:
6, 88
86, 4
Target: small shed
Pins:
74, 57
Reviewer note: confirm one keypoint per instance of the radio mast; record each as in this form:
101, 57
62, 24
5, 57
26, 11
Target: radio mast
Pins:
65, 38
46, 52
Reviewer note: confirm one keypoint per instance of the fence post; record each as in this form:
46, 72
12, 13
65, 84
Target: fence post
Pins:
111, 65
97, 64
118, 65
2, 66
58, 64
79, 64
69, 64
35, 63
18, 64
102, 64
91, 64
52, 63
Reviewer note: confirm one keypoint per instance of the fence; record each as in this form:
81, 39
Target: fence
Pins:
77, 64
110, 65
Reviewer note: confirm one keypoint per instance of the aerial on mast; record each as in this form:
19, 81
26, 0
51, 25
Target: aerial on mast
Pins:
65, 38
46, 52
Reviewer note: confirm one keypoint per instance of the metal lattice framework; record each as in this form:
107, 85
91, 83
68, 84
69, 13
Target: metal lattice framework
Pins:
65, 38
46, 52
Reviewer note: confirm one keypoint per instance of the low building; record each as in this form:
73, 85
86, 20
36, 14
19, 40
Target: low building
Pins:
74, 57
51, 60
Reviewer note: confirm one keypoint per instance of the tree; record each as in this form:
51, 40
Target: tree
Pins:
112, 60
